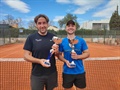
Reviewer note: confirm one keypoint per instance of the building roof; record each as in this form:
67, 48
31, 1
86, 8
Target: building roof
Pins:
53, 28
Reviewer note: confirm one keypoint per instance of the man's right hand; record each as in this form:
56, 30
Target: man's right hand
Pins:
42, 62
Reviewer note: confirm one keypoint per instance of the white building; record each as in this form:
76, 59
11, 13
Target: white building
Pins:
96, 24
53, 28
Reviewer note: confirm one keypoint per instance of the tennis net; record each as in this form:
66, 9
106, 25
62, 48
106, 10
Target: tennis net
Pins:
101, 74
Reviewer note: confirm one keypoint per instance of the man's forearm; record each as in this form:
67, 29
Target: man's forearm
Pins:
30, 58
61, 58
84, 55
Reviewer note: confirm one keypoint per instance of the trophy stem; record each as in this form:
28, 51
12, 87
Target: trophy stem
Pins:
50, 54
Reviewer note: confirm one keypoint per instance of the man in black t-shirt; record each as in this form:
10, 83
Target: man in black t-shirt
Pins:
36, 50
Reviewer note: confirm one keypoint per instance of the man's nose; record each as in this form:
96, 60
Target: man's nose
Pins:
42, 25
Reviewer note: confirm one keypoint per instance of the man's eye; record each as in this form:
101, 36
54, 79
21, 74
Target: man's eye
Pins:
44, 22
39, 23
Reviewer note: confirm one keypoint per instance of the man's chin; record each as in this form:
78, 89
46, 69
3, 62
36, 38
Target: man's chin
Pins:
43, 33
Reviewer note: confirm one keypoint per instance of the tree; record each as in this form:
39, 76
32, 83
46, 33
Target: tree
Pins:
115, 21
69, 16
9, 19
51, 23
31, 25
20, 22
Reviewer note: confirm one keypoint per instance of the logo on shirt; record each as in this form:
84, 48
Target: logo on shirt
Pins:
38, 40
50, 40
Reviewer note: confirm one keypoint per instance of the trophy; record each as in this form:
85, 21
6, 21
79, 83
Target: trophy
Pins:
71, 44
57, 41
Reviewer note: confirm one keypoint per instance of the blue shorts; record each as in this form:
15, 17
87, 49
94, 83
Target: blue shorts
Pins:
41, 82
78, 80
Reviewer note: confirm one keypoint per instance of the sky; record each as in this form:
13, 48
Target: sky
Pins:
85, 10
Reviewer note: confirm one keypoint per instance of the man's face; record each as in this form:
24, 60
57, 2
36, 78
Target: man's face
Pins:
42, 25
70, 29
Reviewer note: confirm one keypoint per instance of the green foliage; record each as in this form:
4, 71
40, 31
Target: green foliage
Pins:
81, 32
115, 21
14, 32
52, 31
68, 17
61, 32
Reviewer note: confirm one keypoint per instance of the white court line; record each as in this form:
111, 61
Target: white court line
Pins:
11, 59
96, 58
104, 58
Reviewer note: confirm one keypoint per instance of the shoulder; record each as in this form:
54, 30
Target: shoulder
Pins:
51, 34
64, 39
33, 35
80, 39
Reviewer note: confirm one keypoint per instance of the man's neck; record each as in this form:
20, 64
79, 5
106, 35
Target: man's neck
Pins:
43, 34
71, 36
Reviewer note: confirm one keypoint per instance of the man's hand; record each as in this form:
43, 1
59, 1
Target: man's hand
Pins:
42, 62
74, 55
55, 48
68, 63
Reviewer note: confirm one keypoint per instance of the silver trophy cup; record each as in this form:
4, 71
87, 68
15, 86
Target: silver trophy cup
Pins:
57, 41
71, 44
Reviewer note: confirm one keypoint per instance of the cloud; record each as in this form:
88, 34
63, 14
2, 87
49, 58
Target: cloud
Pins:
108, 9
63, 1
83, 5
1, 14
57, 18
86, 5
17, 5
28, 18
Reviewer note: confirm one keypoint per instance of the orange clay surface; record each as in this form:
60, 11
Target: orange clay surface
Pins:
96, 50
100, 74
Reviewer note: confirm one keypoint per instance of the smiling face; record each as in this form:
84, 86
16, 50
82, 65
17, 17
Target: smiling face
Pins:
42, 25
70, 29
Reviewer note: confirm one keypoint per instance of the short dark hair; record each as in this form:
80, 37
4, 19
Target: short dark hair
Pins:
41, 15
70, 22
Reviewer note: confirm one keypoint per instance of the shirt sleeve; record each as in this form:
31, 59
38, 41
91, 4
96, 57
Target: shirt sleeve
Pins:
61, 48
28, 44
84, 45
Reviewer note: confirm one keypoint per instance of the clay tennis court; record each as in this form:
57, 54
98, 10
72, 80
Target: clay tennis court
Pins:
101, 74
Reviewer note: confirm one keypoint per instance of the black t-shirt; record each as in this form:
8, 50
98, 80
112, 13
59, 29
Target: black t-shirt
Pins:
40, 47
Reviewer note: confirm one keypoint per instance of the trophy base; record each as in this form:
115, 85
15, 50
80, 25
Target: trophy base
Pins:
72, 64
47, 63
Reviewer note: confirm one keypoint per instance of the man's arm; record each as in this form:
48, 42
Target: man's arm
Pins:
28, 57
61, 58
84, 55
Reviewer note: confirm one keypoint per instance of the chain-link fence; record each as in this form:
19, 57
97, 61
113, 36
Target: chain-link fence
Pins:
111, 37
4, 34
12, 35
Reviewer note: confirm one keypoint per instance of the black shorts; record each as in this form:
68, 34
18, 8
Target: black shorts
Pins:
41, 82
79, 80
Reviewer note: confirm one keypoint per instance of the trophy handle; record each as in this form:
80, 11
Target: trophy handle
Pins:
73, 41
